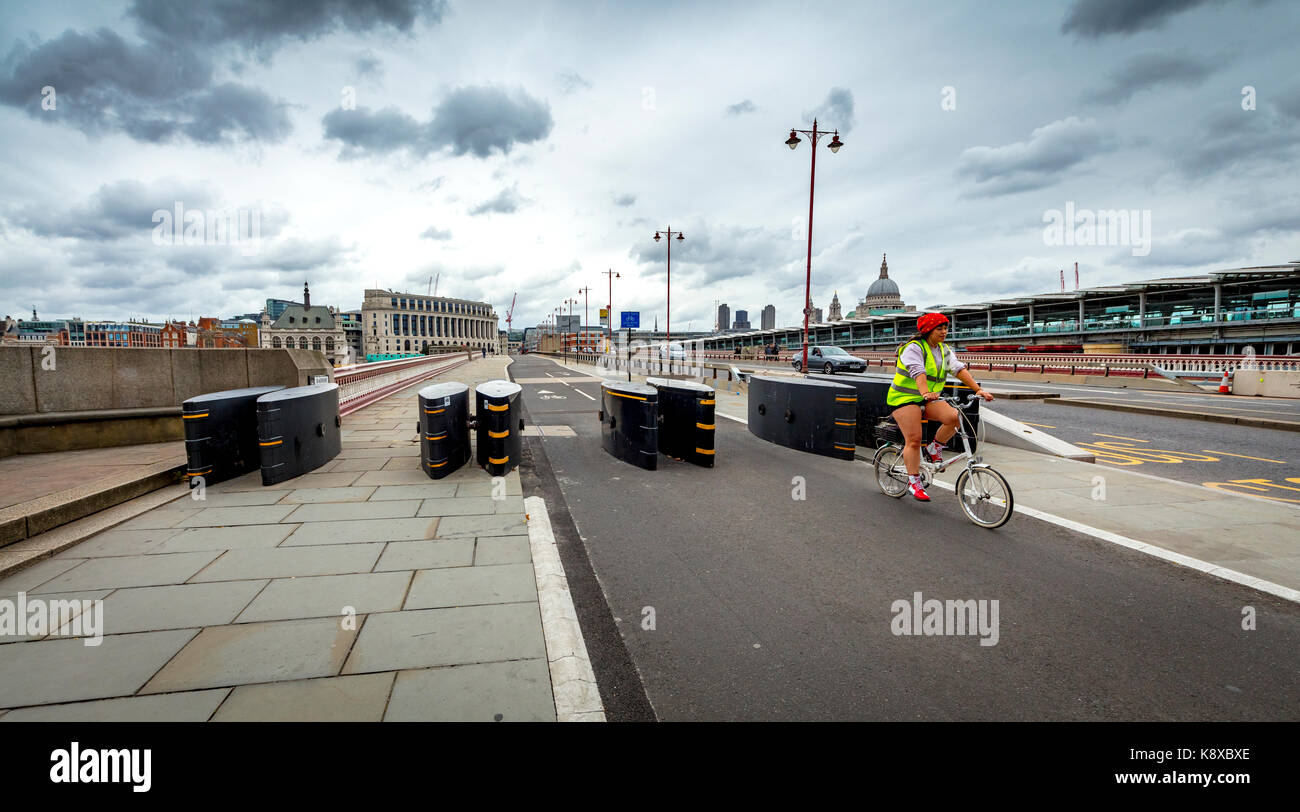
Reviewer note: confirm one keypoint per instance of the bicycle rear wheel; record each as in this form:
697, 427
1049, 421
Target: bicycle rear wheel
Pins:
891, 473
985, 497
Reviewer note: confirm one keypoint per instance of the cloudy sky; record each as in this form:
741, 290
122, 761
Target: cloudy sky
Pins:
525, 147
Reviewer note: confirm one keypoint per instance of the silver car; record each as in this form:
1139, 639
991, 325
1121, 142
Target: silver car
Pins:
829, 360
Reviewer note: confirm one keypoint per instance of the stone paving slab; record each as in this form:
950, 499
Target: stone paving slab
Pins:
404, 477
164, 517
314, 495
517, 691
131, 570
360, 464
189, 706
433, 490
32, 577
73, 609
459, 506
402, 464
497, 524
255, 652
56, 670
322, 533
371, 453
358, 698
253, 482
472, 586
432, 637
328, 595
354, 511
122, 542
183, 606
226, 517
243, 537
286, 562
502, 550
226, 499
420, 555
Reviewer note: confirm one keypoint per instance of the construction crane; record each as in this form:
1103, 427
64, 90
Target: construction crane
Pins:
432, 290
510, 314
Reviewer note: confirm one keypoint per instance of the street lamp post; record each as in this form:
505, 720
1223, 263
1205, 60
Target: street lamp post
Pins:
584, 292
668, 232
834, 145
610, 305
570, 303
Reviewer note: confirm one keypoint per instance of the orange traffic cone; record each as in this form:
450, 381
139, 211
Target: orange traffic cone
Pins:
1224, 387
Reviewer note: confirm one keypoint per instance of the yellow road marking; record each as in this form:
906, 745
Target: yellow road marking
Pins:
1038, 425
1243, 456
1118, 437
1233, 486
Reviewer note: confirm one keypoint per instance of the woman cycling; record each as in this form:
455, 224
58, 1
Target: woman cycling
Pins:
923, 365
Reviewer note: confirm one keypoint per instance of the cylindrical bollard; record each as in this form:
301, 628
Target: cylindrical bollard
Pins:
499, 441
686, 420
629, 418
444, 428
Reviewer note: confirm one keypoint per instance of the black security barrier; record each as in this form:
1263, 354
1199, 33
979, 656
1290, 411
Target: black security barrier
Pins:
298, 430
872, 391
221, 434
499, 426
629, 422
805, 414
686, 422
444, 428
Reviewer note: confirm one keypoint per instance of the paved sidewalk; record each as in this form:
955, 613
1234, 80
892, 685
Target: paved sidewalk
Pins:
1259, 538
361, 591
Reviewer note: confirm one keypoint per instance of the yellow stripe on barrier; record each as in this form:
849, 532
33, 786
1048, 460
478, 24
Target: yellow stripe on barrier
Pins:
709, 426
439, 437
434, 411
273, 442
843, 423
704, 451
496, 461
193, 416
436, 464
707, 402
846, 400
844, 447
201, 473
502, 408
633, 397
496, 435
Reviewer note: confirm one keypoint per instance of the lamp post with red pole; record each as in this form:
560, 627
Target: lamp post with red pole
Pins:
834, 145
668, 232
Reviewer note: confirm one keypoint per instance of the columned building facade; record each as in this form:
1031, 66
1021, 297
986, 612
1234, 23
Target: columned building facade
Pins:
397, 324
305, 327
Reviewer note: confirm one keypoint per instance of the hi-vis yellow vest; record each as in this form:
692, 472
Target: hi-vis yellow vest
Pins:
903, 389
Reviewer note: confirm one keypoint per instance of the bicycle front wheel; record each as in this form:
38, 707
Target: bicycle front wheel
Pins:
891, 473
985, 497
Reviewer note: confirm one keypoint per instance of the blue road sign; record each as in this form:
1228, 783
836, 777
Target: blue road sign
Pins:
631, 318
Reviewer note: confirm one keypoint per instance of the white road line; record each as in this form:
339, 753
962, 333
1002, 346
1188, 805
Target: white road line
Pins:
580, 392
573, 683
729, 417
1284, 592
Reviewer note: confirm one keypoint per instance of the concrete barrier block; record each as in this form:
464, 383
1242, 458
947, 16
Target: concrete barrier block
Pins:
18, 395
80, 381
220, 370
186, 380
286, 367
142, 377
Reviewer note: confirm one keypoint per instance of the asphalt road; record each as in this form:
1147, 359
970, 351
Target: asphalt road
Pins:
734, 600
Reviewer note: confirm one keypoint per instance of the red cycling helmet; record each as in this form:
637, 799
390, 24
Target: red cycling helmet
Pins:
929, 321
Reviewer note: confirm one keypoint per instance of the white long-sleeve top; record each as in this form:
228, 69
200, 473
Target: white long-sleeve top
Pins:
913, 358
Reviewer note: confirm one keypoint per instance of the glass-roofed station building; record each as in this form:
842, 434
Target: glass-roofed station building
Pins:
1215, 313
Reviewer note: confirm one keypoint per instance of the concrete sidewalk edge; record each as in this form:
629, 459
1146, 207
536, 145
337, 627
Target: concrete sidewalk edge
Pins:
573, 682
1256, 422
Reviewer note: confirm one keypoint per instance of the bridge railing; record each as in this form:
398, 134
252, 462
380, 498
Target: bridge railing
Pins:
362, 384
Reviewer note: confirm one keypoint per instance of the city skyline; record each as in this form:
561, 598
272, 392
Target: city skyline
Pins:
493, 149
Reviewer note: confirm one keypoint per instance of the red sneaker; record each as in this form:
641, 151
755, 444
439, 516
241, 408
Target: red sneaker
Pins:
918, 492
935, 457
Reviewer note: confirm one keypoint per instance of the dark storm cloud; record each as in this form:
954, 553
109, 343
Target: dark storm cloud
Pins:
1097, 18
262, 24
571, 82
507, 202
470, 119
1261, 142
301, 255
481, 119
114, 211
1188, 248
836, 113
432, 233
1032, 164
747, 106
1152, 70
153, 94
624, 200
